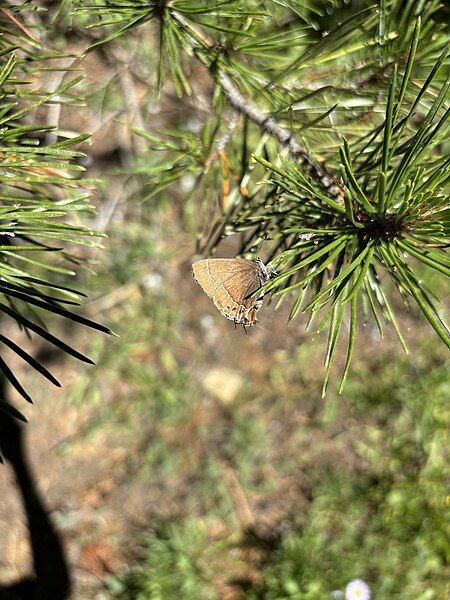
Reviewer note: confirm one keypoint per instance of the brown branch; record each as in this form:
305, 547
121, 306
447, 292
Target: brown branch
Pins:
19, 24
284, 136
266, 122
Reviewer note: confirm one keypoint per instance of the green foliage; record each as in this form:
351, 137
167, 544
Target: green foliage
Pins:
41, 197
177, 564
324, 126
379, 518
386, 524
375, 113
396, 211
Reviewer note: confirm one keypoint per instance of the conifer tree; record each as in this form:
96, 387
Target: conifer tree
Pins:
327, 135
41, 197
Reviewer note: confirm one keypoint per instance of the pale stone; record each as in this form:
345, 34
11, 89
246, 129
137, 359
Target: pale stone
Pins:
223, 384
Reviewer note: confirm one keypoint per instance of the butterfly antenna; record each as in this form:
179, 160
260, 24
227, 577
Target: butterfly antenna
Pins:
262, 243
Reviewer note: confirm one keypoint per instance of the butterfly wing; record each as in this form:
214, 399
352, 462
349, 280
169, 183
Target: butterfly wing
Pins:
228, 281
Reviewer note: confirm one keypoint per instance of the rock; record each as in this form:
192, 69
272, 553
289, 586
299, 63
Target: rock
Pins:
223, 384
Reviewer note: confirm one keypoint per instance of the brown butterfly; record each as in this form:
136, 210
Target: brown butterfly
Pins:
231, 282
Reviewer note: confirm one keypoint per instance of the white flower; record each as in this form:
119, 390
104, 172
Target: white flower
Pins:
357, 590
153, 281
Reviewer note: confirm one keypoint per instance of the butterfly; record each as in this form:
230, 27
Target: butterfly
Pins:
231, 282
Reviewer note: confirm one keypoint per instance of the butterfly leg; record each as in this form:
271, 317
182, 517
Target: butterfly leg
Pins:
245, 328
235, 325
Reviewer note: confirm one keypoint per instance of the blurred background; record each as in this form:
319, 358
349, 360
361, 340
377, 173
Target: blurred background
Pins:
196, 462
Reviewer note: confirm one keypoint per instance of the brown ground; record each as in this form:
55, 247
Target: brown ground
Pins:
91, 473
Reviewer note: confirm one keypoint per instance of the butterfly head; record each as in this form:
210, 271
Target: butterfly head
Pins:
267, 272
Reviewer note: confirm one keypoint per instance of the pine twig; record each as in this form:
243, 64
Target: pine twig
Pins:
270, 125
267, 123
20, 25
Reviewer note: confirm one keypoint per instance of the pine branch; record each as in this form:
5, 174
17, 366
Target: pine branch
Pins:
286, 139
268, 123
376, 78
40, 192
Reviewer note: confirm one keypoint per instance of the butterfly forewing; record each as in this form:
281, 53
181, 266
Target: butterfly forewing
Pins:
229, 282
236, 275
